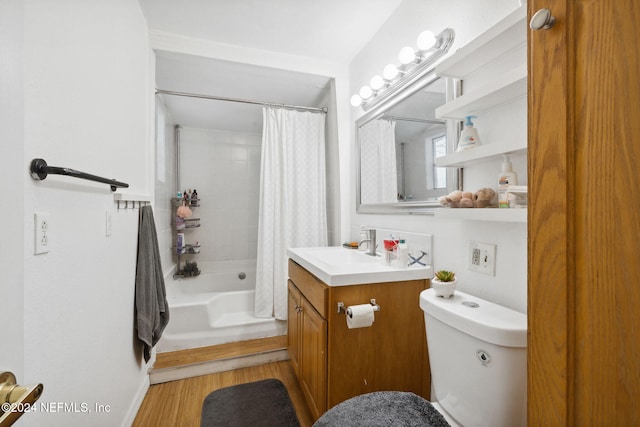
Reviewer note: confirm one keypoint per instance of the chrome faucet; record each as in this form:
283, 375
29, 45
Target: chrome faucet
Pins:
371, 239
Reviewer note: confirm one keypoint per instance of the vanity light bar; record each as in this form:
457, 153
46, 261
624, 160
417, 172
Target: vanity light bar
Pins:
412, 61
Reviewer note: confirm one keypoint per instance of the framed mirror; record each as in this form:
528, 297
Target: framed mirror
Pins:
397, 143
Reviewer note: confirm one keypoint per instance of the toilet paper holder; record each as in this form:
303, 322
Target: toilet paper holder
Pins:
343, 308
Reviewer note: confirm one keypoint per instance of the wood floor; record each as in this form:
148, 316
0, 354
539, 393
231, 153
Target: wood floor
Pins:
178, 403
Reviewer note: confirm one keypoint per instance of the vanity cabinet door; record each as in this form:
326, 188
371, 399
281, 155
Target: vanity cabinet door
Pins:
293, 324
313, 359
307, 336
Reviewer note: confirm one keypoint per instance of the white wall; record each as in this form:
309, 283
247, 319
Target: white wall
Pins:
86, 106
333, 167
450, 238
165, 183
12, 173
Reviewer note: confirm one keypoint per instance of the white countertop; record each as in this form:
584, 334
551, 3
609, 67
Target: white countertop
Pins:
339, 266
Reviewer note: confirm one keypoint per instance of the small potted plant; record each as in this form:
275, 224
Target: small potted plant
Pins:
444, 283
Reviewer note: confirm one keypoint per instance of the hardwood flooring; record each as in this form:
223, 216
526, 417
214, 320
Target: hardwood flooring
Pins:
178, 403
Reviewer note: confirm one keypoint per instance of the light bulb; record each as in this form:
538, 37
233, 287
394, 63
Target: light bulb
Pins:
376, 83
426, 40
365, 92
356, 101
390, 72
407, 55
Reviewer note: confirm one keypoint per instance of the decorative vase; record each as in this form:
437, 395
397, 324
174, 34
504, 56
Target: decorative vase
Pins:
443, 289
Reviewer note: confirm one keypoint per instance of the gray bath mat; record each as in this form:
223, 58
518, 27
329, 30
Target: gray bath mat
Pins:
263, 403
383, 409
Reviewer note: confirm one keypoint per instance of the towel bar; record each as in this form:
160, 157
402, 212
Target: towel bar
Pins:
39, 171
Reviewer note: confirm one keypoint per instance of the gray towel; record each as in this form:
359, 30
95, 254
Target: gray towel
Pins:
152, 309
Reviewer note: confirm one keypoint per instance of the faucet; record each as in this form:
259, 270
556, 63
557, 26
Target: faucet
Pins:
371, 238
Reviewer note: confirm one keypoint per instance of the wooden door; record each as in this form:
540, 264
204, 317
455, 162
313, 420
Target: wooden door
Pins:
584, 215
313, 363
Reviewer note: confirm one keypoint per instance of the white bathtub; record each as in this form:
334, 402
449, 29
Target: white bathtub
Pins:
215, 307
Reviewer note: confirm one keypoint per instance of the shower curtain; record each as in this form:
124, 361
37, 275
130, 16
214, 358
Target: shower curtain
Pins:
378, 171
293, 211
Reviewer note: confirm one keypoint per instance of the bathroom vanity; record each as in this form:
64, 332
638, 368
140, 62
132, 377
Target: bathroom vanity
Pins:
334, 363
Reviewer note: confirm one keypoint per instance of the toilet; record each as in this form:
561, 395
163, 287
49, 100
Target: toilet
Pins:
478, 361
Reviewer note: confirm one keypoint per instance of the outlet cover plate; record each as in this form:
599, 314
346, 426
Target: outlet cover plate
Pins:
41, 232
482, 258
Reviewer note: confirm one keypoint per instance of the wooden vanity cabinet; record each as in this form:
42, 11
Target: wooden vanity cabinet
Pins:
307, 336
334, 363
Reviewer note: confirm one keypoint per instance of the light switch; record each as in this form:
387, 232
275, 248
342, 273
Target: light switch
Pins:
108, 218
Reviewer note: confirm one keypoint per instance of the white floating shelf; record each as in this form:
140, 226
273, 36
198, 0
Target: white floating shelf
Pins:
508, 34
504, 89
483, 152
129, 197
129, 200
488, 214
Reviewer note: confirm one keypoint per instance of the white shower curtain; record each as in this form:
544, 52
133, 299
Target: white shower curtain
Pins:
293, 211
378, 170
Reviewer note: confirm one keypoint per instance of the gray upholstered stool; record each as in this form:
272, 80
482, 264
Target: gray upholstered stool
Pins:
383, 409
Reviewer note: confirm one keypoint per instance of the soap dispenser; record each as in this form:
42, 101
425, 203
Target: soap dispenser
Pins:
469, 137
506, 178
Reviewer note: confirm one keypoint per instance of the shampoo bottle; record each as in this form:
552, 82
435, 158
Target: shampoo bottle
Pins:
403, 254
469, 137
180, 245
506, 178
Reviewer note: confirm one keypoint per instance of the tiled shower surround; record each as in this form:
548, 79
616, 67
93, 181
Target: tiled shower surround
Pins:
224, 167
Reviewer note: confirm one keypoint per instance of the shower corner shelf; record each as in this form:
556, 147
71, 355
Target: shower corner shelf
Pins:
188, 249
192, 203
187, 224
181, 225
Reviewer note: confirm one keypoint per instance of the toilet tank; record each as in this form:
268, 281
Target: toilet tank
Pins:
478, 359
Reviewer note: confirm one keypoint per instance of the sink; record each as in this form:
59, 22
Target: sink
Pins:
339, 266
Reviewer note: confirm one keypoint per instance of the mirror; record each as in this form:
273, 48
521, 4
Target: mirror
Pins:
397, 143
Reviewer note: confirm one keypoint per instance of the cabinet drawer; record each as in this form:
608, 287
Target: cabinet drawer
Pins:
313, 289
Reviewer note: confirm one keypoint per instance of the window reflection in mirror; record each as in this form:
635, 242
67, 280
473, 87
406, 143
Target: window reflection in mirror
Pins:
397, 151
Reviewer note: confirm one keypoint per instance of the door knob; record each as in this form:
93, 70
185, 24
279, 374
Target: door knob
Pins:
542, 20
15, 399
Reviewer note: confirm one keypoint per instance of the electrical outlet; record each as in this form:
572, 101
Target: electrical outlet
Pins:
482, 258
41, 232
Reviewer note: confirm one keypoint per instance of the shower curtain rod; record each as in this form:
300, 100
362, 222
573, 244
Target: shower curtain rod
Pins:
408, 119
244, 101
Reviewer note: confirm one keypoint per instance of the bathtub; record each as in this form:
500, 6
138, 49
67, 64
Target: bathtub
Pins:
214, 308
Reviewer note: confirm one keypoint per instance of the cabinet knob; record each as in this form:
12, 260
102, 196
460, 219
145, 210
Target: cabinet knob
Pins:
542, 20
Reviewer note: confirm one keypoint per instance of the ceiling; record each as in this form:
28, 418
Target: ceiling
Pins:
332, 30
184, 73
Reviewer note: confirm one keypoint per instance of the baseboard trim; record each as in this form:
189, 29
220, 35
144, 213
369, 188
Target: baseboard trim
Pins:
158, 376
137, 402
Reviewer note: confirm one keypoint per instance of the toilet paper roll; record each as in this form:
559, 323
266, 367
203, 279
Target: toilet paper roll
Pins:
360, 316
